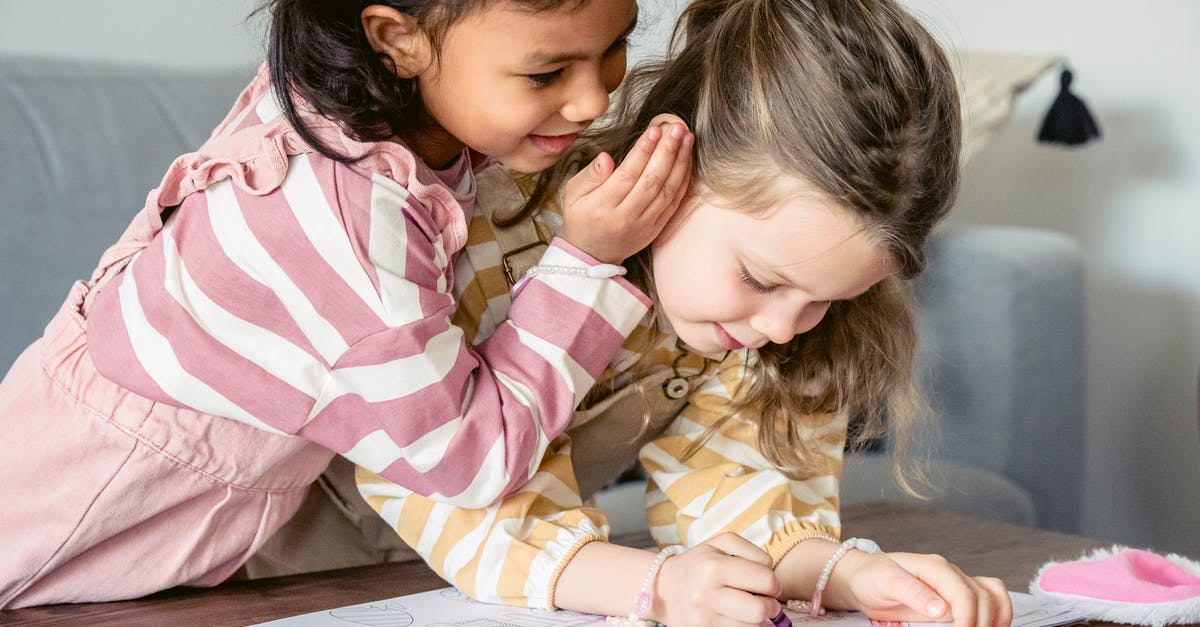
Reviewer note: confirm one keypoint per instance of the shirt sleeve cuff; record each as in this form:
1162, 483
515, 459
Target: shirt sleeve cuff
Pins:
573, 255
568, 555
795, 532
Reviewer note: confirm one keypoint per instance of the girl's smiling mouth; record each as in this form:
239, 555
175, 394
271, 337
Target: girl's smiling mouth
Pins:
726, 340
553, 144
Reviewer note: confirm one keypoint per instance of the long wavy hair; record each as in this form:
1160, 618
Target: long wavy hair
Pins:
857, 100
319, 59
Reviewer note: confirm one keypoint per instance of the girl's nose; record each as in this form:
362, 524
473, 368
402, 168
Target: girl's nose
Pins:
783, 322
587, 101
778, 326
589, 96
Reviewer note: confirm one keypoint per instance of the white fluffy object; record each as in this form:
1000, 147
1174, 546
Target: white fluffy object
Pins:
1164, 613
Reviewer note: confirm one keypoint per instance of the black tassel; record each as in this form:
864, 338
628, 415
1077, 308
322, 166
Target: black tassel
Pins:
1068, 121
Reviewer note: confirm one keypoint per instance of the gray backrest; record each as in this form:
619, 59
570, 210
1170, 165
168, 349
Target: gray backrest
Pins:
80, 146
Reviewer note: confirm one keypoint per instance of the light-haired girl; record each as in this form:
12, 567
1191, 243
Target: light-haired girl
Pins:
296, 277
827, 142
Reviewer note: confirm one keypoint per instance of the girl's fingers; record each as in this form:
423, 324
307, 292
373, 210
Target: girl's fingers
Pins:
752, 577
1002, 610
652, 183
938, 589
591, 177
625, 177
919, 597
664, 213
640, 178
744, 608
735, 545
985, 606
969, 603
676, 184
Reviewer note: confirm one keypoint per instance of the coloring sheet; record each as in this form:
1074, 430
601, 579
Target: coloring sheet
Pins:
437, 608
450, 608
1028, 611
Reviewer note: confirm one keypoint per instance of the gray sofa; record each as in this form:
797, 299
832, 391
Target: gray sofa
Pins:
1001, 309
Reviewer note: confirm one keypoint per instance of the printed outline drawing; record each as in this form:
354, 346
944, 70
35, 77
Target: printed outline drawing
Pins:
374, 615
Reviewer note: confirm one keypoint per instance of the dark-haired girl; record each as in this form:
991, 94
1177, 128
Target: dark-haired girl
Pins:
286, 295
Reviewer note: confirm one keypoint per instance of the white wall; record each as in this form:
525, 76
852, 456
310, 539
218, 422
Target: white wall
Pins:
175, 33
203, 34
1132, 200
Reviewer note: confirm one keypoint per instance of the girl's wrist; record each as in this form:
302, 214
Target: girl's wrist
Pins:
800, 567
838, 592
800, 572
650, 592
668, 575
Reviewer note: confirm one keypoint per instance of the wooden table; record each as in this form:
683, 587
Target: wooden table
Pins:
979, 546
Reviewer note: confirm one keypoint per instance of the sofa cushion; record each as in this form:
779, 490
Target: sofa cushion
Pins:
83, 144
954, 486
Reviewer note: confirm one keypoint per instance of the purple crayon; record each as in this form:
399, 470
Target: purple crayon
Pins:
781, 620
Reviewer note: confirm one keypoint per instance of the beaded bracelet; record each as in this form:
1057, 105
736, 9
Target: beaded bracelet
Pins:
642, 604
598, 271
862, 544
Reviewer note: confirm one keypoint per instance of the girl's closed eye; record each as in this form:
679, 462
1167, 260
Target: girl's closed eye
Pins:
544, 79
754, 283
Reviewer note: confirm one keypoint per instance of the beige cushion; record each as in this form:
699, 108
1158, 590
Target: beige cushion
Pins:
989, 85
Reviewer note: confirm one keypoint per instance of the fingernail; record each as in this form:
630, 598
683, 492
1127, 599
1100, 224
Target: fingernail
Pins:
677, 131
935, 608
653, 133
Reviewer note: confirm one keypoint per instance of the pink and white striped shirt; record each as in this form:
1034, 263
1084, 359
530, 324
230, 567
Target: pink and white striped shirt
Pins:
321, 308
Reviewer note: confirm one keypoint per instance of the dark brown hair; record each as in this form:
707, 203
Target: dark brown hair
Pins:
320, 60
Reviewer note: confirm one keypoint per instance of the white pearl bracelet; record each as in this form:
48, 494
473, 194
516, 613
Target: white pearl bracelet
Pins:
862, 544
598, 271
642, 604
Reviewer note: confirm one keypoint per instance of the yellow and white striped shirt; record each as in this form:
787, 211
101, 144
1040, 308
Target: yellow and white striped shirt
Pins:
514, 551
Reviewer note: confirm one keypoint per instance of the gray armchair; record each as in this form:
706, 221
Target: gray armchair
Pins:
1002, 314
1001, 358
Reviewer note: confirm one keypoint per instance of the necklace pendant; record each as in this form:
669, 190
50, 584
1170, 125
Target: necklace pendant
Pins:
676, 388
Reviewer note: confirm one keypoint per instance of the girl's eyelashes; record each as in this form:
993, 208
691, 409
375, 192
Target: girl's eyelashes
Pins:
754, 283
544, 79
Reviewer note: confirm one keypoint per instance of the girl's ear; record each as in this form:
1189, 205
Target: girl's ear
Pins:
398, 36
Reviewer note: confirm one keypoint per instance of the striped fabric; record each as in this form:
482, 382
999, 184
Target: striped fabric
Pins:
728, 485
322, 308
513, 552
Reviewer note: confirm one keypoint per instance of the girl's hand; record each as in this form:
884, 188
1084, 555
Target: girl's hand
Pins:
612, 214
918, 588
725, 581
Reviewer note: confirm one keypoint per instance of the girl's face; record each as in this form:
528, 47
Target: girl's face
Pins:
519, 85
727, 279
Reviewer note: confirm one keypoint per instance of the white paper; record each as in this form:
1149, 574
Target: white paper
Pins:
450, 608
1028, 611
437, 608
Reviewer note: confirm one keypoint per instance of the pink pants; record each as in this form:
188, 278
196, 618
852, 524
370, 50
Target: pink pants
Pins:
107, 495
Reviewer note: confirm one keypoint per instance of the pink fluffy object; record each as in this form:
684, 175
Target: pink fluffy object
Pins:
1125, 585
